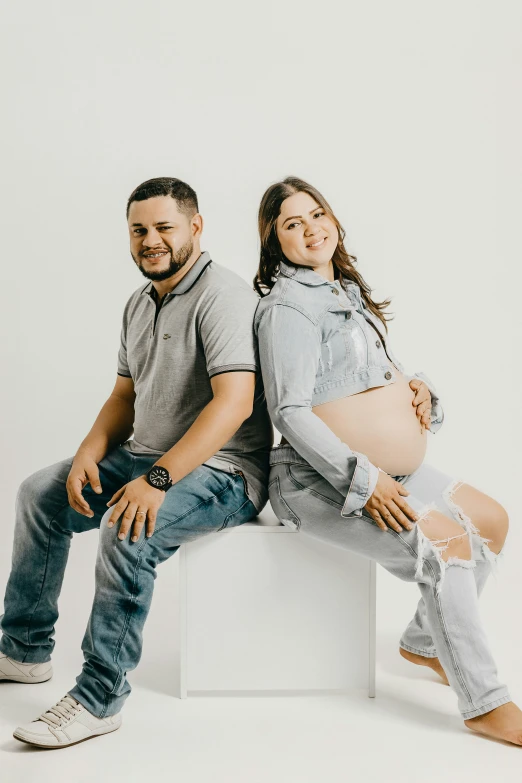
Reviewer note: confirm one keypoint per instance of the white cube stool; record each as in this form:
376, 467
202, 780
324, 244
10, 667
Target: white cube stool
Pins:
263, 608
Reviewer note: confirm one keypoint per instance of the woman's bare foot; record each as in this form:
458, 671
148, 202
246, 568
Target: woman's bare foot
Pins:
421, 660
503, 723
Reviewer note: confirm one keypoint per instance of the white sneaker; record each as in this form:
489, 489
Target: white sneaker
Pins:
24, 672
67, 723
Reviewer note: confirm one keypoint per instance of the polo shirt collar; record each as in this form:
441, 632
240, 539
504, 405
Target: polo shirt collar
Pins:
195, 271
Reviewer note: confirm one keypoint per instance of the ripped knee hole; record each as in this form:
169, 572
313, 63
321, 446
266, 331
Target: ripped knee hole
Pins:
456, 543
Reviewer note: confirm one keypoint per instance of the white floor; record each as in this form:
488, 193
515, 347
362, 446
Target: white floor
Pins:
410, 732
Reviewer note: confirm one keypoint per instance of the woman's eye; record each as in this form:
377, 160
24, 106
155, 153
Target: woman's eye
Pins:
318, 214
291, 225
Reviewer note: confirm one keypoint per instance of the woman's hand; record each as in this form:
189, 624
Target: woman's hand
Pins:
141, 503
387, 505
422, 401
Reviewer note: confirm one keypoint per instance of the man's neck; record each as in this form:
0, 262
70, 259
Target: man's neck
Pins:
163, 287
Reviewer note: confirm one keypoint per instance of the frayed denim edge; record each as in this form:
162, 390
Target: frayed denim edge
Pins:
463, 519
436, 547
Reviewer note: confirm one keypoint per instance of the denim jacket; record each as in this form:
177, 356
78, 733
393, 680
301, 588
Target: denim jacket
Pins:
318, 342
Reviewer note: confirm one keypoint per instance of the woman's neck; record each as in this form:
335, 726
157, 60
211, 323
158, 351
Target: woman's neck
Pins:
326, 271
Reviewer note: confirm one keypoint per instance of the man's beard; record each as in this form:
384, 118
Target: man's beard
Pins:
177, 261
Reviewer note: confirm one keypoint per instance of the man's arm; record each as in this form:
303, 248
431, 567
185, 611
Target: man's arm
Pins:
113, 425
231, 404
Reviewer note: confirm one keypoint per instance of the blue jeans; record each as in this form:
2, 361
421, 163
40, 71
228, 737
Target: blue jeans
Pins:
205, 501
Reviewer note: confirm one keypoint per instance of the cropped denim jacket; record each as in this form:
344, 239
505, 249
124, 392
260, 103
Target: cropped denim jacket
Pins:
319, 342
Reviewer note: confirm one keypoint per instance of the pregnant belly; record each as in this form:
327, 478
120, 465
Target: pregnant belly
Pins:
380, 423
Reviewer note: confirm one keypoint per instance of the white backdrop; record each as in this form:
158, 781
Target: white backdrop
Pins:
406, 115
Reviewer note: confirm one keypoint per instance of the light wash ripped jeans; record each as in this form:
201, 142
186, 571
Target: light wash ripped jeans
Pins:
446, 624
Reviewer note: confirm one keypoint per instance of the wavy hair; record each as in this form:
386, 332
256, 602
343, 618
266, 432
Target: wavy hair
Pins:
271, 254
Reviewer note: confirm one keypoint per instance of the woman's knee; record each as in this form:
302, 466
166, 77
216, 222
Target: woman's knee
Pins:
445, 535
488, 516
498, 530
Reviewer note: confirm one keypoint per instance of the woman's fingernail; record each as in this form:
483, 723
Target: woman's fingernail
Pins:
134, 538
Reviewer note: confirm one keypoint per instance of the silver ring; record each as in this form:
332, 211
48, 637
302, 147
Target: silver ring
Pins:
141, 512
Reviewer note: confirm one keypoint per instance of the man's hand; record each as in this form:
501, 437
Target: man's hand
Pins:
387, 505
141, 503
422, 401
84, 470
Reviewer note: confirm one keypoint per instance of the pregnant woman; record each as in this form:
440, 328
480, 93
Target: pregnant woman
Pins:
349, 469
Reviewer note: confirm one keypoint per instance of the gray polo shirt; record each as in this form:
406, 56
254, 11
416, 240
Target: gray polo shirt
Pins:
204, 327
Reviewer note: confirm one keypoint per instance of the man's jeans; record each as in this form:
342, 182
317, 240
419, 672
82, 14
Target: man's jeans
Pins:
205, 501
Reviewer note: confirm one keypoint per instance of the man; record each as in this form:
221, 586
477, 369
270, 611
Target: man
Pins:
189, 387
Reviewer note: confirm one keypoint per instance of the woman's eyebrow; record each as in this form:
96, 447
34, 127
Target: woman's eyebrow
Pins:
293, 217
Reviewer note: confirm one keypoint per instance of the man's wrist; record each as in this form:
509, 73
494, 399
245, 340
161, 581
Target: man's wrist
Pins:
159, 478
86, 451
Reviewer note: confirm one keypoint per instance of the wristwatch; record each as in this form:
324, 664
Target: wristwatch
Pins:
159, 478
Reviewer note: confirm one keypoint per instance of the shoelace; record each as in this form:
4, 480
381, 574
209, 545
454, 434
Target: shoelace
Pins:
61, 712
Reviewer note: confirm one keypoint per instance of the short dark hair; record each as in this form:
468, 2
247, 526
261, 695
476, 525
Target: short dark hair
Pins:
182, 193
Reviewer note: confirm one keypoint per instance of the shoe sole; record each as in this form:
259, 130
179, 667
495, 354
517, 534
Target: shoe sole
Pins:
47, 746
25, 680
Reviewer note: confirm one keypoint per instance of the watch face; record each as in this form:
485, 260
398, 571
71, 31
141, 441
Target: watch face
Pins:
159, 476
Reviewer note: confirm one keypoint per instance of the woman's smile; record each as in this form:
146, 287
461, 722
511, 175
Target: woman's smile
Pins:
316, 245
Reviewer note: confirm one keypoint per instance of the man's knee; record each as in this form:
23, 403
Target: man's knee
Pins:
37, 485
33, 488
112, 549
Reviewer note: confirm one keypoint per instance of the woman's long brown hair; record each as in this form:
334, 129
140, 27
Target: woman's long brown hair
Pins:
271, 253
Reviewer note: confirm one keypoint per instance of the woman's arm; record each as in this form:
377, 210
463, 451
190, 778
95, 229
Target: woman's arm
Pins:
289, 351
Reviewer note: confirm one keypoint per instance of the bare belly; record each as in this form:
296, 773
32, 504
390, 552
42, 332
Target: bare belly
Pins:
380, 423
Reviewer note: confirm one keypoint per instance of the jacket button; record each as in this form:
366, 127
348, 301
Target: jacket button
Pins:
348, 315
335, 291
387, 375
378, 343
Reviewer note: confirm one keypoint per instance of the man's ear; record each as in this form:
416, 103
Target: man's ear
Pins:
196, 225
